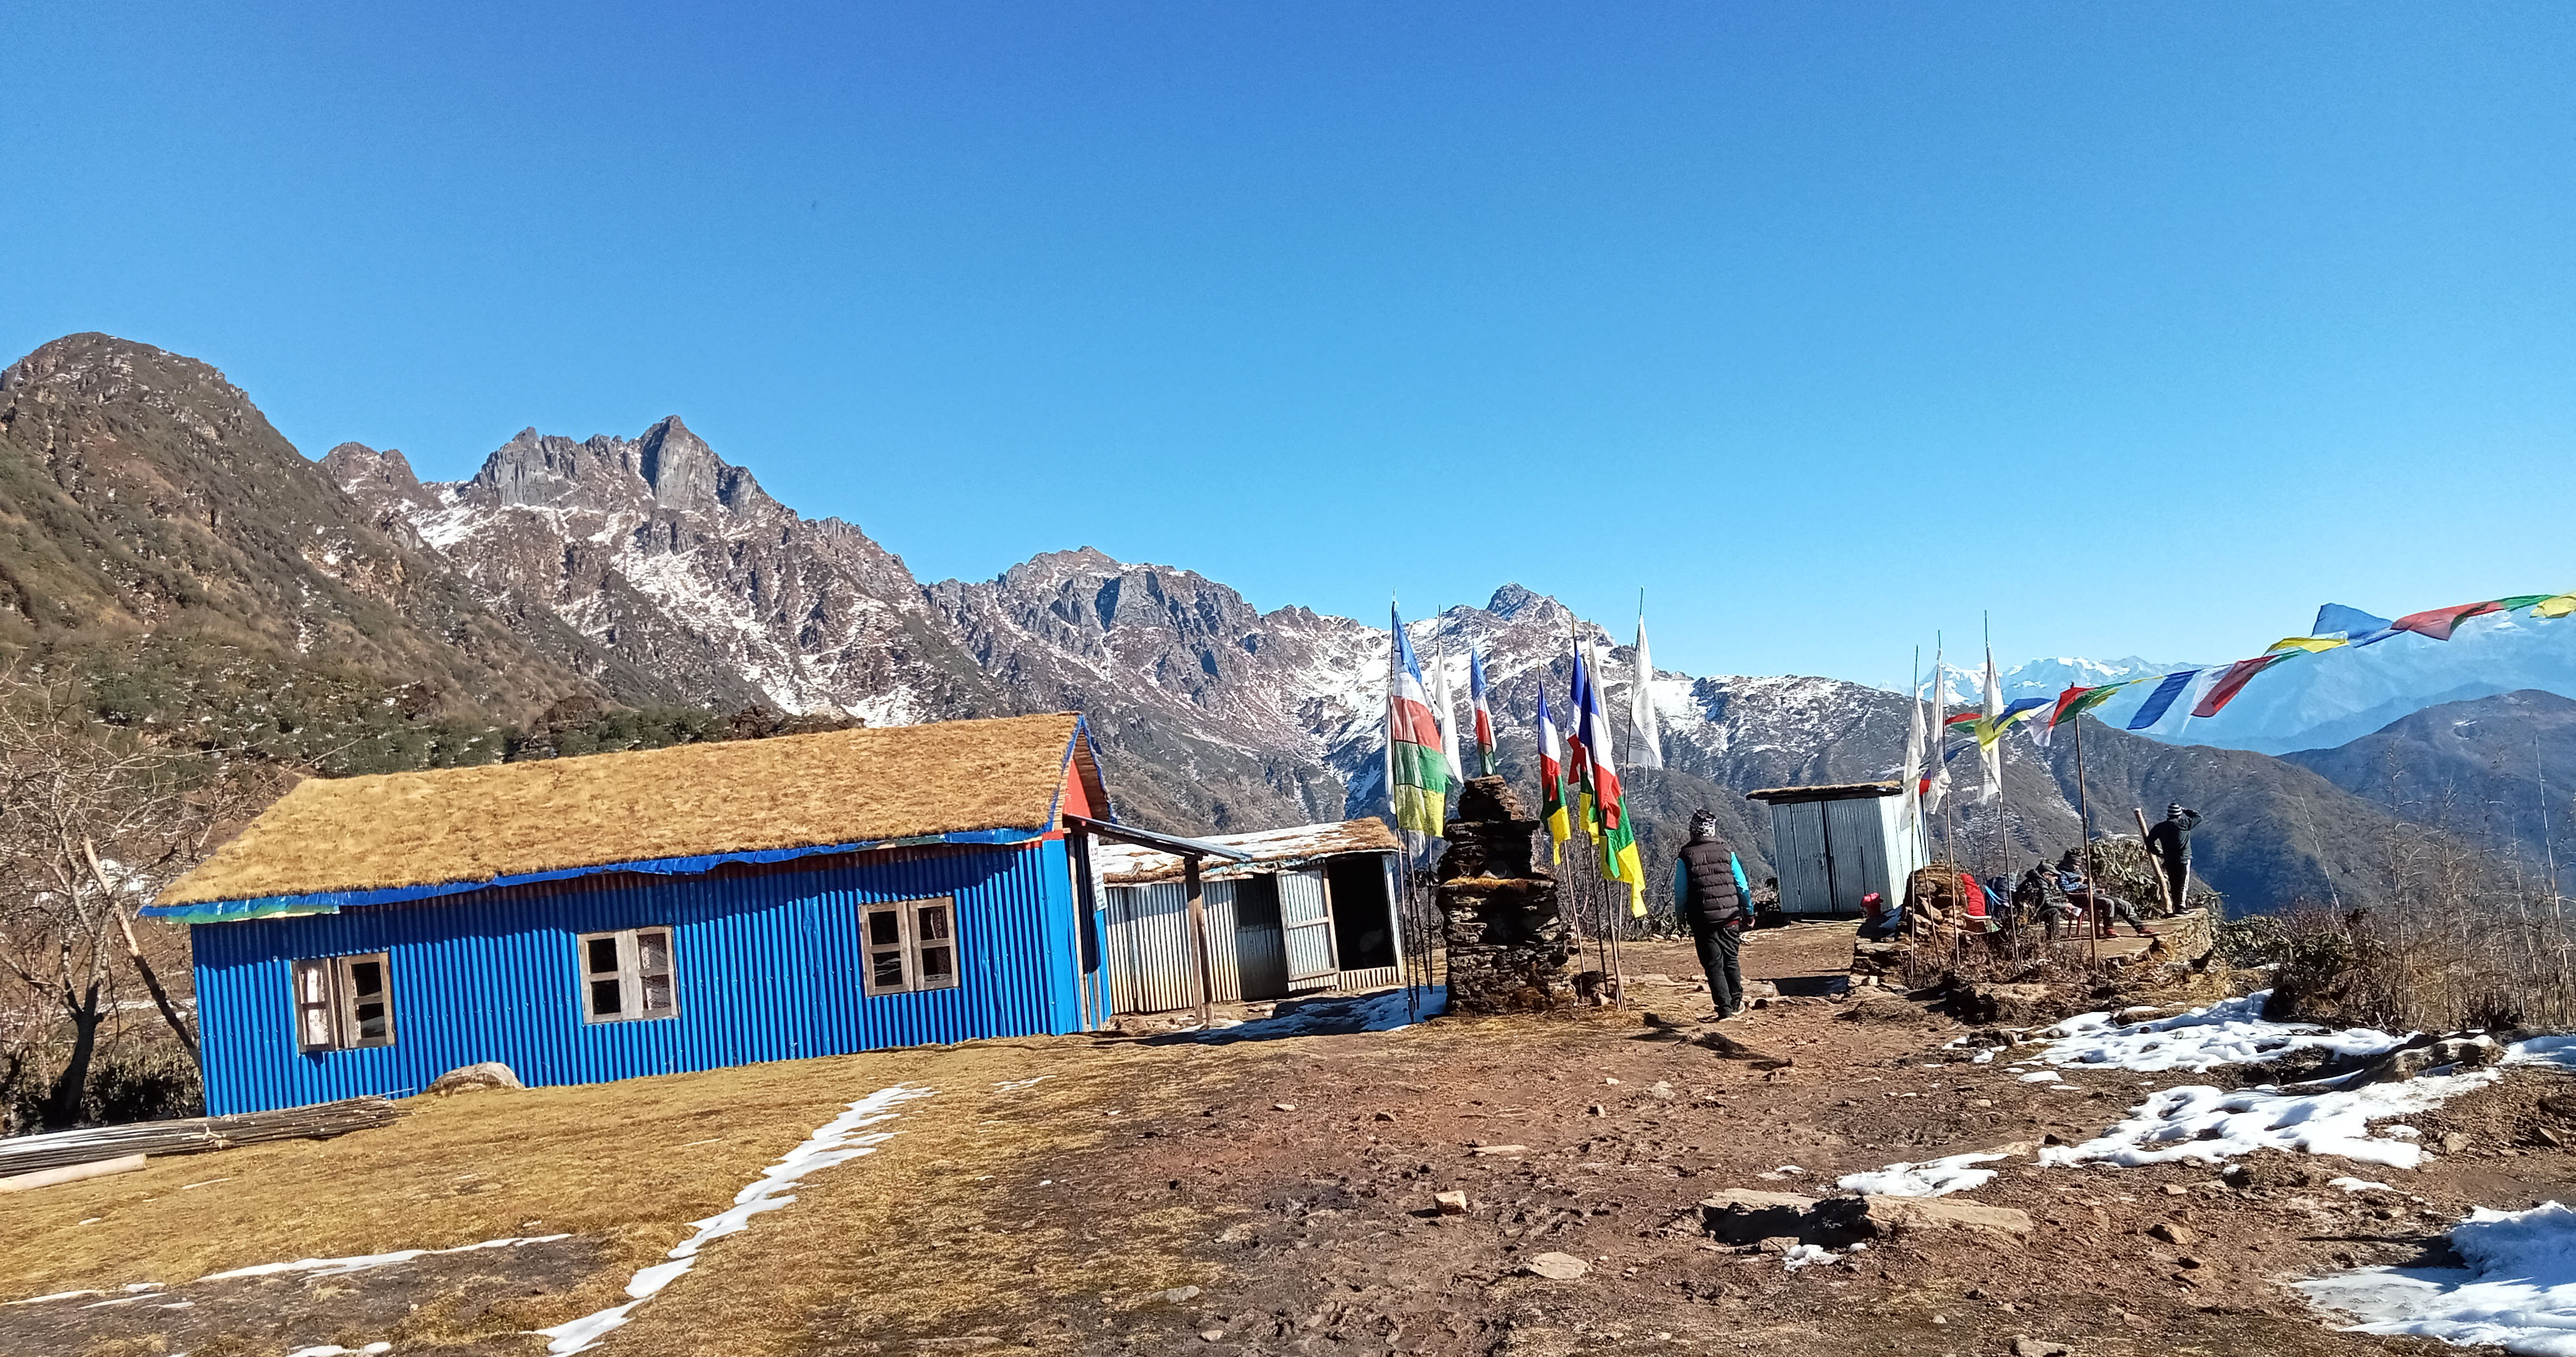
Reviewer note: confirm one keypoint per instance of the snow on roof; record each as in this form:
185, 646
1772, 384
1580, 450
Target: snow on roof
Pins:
1122, 865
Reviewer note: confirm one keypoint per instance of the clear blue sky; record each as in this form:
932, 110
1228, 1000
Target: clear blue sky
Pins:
2147, 327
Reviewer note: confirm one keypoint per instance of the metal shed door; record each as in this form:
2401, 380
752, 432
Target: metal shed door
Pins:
1798, 853
1856, 836
1306, 926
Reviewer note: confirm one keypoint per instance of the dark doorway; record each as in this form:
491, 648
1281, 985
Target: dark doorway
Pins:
1362, 919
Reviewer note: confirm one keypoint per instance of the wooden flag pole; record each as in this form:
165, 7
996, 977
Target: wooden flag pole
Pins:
2164, 892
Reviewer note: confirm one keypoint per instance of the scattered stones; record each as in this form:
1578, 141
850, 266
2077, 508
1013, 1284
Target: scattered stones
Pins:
1181, 1294
1450, 1203
2453, 1142
2176, 1190
2187, 1262
2176, 1233
1496, 1151
2025, 1346
1383, 1116
1283, 1107
1556, 1267
1212, 1335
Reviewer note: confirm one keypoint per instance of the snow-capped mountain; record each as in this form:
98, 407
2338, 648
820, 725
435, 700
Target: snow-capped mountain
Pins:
2323, 700
672, 563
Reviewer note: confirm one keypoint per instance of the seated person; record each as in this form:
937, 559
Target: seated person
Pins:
2106, 909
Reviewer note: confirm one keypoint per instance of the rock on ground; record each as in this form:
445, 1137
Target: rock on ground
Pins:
466, 1078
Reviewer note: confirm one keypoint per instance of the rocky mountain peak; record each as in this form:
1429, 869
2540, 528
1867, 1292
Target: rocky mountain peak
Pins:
685, 474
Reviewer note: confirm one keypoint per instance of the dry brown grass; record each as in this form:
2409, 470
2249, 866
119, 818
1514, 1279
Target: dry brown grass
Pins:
632, 1164
795, 791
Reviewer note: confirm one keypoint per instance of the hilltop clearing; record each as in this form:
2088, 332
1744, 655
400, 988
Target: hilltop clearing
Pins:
1165, 1193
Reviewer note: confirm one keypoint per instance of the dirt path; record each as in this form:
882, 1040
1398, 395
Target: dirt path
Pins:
1277, 1196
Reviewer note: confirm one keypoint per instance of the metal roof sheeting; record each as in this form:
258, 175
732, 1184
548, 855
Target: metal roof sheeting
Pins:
1123, 865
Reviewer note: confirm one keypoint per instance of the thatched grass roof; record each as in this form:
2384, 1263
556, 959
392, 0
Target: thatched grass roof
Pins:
793, 791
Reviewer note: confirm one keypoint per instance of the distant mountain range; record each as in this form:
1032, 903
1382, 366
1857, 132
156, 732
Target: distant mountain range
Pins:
2319, 701
158, 537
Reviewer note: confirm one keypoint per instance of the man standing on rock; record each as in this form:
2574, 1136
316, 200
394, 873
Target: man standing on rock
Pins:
1707, 891
2169, 839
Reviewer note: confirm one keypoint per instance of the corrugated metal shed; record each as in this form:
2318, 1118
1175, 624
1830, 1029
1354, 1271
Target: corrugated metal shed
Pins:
767, 966
1313, 908
1834, 844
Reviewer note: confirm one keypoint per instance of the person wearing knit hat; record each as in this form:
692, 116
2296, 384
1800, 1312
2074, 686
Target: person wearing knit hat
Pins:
2169, 842
1709, 894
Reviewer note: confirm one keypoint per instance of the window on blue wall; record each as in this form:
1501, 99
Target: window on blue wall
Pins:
908, 945
627, 975
343, 1002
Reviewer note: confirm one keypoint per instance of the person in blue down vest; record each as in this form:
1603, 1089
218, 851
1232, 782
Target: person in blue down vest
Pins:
1710, 894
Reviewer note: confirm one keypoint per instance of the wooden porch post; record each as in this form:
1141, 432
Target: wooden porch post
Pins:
1199, 940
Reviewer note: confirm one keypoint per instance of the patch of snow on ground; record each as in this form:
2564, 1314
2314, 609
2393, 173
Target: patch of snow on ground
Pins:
2196, 1121
2232, 1032
1937, 1178
341, 1267
2212, 1125
2358, 1185
2518, 1291
1376, 1013
836, 1142
2040, 1077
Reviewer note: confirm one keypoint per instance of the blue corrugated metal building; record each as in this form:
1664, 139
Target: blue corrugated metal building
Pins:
591, 919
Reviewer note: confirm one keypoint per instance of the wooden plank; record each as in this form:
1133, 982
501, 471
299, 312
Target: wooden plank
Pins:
71, 1173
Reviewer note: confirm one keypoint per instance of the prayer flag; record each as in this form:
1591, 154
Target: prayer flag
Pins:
1444, 707
1483, 730
1645, 737
2232, 681
2438, 623
1551, 779
1619, 860
1913, 753
2310, 644
2162, 699
1992, 757
2555, 606
2074, 702
1417, 777
1578, 740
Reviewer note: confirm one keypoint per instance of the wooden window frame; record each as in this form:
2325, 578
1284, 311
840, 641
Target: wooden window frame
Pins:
629, 975
912, 944
326, 999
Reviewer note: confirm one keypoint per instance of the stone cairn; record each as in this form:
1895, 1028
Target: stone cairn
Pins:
1506, 941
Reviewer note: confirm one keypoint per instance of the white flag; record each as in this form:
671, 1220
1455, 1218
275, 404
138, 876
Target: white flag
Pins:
1645, 738
1914, 758
1940, 734
1444, 710
1992, 751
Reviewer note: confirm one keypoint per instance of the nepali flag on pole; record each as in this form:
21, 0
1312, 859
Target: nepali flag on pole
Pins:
1619, 861
1484, 730
1417, 774
1551, 779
